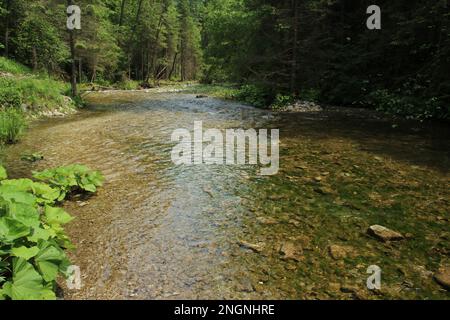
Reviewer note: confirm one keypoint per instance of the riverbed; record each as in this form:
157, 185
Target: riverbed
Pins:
156, 230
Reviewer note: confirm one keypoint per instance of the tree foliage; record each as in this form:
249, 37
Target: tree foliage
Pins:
287, 47
292, 46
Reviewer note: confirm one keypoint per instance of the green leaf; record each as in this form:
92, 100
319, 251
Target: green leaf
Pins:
90, 188
11, 195
40, 234
3, 174
62, 195
24, 252
33, 157
26, 283
57, 215
44, 192
25, 213
11, 229
19, 184
48, 260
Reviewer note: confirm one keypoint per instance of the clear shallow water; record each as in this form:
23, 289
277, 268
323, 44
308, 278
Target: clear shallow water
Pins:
156, 230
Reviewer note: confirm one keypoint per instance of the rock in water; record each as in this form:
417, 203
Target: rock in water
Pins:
384, 234
443, 277
253, 247
324, 190
267, 221
340, 252
291, 251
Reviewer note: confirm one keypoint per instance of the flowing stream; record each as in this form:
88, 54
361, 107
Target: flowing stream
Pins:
160, 231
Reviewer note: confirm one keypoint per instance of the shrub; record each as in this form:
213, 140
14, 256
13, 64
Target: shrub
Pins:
10, 97
127, 85
408, 106
282, 101
12, 125
253, 95
311, 95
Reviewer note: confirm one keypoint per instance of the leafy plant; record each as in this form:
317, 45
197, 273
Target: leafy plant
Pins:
9, 96
71, 178
281, 101
407, 105
3, 174
32, 157
12, 125
253, 95
31, 241
32, 238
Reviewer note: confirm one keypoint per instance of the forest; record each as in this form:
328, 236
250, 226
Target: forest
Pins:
313, 49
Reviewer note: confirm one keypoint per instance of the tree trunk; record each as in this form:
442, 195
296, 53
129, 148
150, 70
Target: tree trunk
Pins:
73, 75
173, 65
35, 63
294, 48
80, 68
8, 6
122, 10
138, 14
154, 52
94, 73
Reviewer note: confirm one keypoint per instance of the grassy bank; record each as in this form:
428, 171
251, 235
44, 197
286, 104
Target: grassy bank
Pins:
25, 95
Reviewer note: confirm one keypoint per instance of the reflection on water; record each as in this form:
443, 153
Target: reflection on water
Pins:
156, 230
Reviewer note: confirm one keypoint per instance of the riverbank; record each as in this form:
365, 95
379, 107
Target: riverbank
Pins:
25, 96
36, 94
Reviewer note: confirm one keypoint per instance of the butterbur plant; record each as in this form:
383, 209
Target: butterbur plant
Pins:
70, 178
32, 236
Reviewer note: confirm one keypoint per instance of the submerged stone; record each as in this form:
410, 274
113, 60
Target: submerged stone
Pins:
253, 247
267, 220
384, 234
324, 190
443, 277
340, 252
291, 251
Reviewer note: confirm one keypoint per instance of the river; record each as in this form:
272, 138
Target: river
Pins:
160, 231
